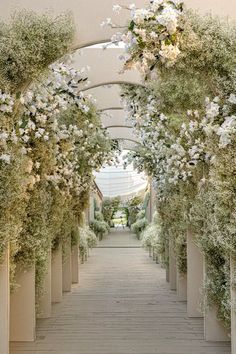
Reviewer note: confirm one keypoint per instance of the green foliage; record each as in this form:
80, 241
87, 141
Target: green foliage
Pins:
150, 236
99, 226
109, 208
214, 240
204, 68
133, 206
87, 240
99, 216
29, 43
140, 224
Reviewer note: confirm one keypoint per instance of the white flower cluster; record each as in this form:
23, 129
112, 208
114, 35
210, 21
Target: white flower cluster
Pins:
152, 35
73, 145
169, 159
7, 102
220, 121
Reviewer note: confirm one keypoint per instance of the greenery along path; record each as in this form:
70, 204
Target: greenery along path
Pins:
123, 305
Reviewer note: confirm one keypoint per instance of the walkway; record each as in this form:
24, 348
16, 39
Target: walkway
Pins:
122, 306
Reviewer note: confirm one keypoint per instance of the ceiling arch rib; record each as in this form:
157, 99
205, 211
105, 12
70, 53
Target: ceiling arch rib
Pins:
114, 118
109, 83
119, 126
122, 133
110, 109
105, 67
107, 97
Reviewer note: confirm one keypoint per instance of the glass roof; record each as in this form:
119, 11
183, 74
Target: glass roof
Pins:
117, 180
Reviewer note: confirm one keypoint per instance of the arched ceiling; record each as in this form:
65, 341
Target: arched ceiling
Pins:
105, 67
105, 64
107, 97
114, 117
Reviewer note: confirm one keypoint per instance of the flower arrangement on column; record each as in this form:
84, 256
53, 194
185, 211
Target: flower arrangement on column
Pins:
185, 118
28, 45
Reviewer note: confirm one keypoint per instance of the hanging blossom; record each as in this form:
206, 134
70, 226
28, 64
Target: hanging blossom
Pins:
74, 144
152, 35
185, 153
41, 105
219, 122
7, 102
169, 157
85, 143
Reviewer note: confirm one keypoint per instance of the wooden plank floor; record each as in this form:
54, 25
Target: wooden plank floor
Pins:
123, 305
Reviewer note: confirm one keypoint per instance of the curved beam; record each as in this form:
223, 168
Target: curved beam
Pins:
89, 44
126, 139
113, 83
111, 109
119, 126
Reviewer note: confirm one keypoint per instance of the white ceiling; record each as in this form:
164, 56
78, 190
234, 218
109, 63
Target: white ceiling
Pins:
115, 180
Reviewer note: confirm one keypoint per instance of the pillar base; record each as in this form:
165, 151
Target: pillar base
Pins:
4, 303
181, 286
45, 301
194, 277
75, 264
172, 268
22, 307
66, 267
214, 329
56, 276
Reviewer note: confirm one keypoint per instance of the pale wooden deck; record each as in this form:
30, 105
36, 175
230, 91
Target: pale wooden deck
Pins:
123, 305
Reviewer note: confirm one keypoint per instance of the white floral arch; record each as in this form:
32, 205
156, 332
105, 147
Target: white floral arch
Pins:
105, 65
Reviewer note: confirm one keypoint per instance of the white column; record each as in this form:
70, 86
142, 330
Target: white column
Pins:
233, 303
172, 267
22, 307
194, 277
66, 266
181, 286
45, 301
4, 303
56, 276
214, 329
75, 264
